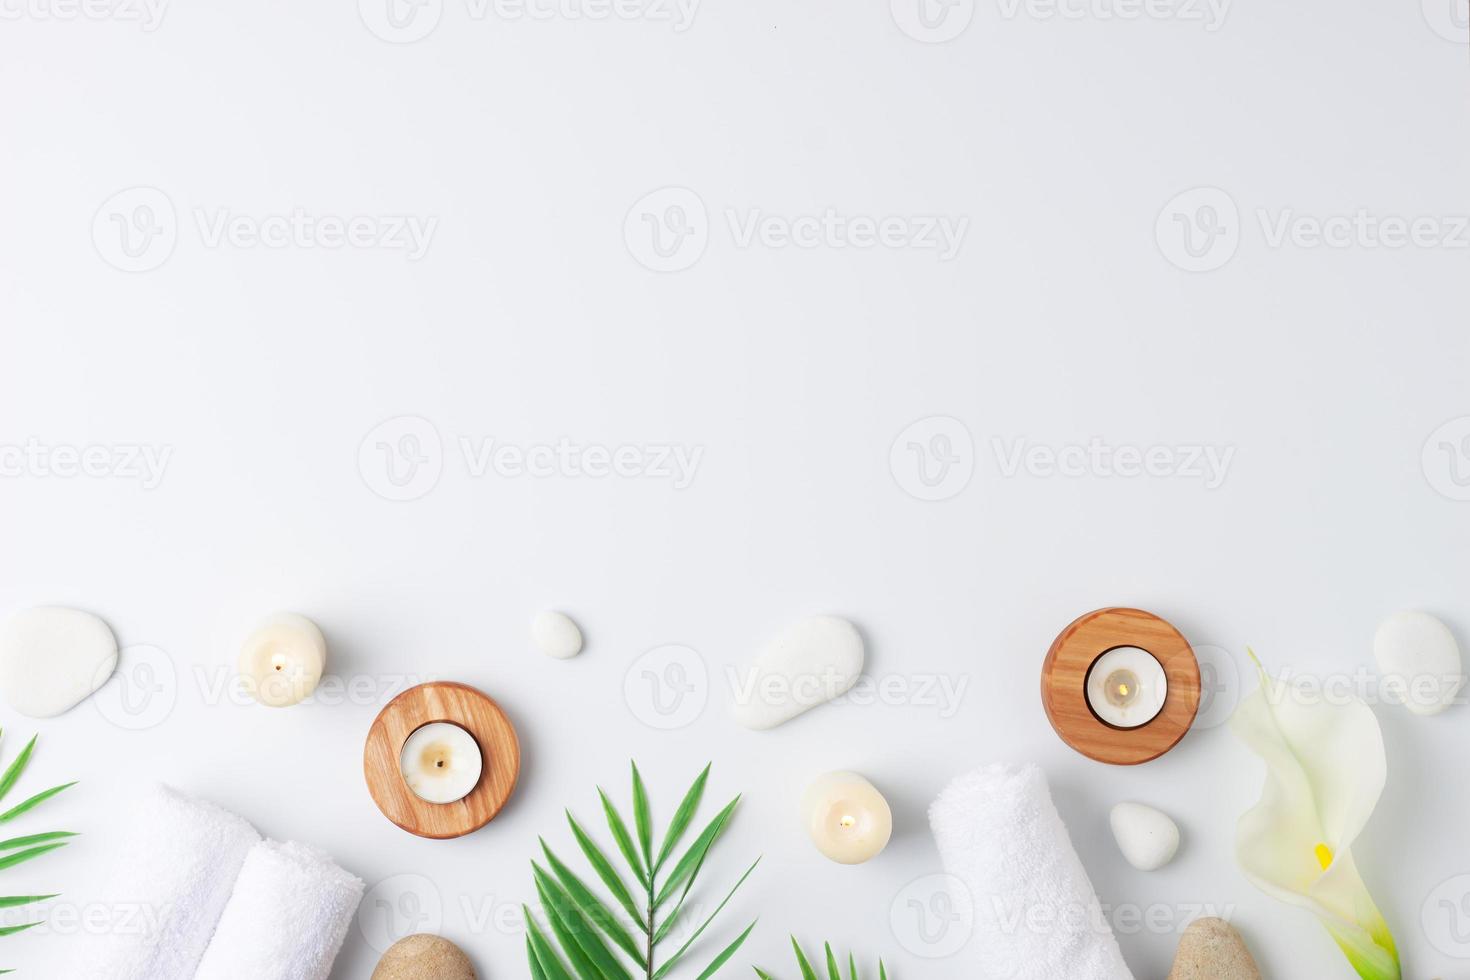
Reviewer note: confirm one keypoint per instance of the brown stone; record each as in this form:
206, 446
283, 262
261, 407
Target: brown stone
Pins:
424, 958
1211, 949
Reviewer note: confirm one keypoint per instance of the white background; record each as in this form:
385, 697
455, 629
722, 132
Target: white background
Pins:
1064, 316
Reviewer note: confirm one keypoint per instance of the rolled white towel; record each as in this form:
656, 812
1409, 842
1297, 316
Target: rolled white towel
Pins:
287, 919
173, 866
1036, 914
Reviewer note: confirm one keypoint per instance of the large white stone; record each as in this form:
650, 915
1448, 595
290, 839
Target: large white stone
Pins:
1148, 838
807, 664
1419, 658
53, 658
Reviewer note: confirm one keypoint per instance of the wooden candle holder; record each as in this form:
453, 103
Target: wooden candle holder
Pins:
1064, 685
460, 705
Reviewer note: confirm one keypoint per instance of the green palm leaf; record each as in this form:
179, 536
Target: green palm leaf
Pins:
22, 849
694, 857
593, 908
834, 972
624, 840
33, 802
584, 937
682, 818
606, 872
7, 781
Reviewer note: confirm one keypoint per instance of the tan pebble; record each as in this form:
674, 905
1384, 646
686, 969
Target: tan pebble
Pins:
1211, 949
424, 957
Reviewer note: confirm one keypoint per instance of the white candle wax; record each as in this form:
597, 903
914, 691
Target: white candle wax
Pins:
847, 818
1126, 687
441, 763
282, 661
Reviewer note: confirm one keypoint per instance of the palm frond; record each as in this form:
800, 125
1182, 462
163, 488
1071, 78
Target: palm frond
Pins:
19, 850
585, 935
834, 972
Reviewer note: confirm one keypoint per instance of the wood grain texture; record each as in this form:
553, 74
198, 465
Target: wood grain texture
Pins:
1064, 685
471, 710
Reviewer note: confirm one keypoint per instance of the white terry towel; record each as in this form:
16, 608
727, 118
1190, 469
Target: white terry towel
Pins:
174, 864
287, 919
1036, 915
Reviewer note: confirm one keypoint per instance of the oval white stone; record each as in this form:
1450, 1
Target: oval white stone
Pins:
1148, 838
556, 635
53, 658
807, 664
1419, 656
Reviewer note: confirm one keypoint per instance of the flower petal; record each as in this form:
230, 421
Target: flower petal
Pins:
1325, 771
1276, 839
1340, 747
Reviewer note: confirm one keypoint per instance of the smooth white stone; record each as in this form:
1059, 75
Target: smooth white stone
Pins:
1148, 838
807, 664
556, 635
53, 658
1420, 656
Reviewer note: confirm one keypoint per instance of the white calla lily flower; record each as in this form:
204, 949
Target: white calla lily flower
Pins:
1325, 770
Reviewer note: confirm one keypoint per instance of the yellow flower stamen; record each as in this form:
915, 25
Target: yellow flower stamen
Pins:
1324, 856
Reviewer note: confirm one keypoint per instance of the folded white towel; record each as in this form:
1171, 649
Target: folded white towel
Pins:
287, 919
174, 862
1036, 915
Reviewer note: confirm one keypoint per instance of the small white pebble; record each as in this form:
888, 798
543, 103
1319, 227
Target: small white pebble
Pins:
1148, 838
556, 635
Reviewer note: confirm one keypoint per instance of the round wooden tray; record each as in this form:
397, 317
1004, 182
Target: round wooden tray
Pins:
1064, 685
475, 713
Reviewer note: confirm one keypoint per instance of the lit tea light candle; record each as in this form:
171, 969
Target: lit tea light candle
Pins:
1126, 687
441, 763
282, 661
847, 818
